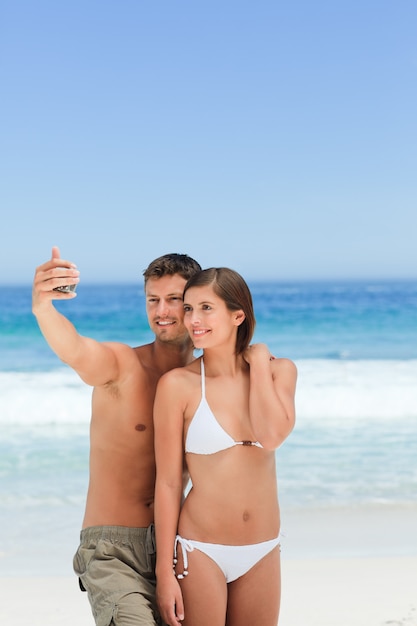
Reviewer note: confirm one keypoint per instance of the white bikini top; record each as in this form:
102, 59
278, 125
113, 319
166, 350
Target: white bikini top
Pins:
205, 435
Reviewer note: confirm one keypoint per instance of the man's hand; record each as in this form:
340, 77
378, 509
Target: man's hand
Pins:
51, 275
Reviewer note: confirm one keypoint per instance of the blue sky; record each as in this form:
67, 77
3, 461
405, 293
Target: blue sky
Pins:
277, 138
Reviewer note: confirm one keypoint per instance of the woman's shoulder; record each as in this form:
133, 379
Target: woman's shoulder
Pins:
283, 365
184, 375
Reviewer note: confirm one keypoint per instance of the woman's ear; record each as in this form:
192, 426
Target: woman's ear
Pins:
239, 317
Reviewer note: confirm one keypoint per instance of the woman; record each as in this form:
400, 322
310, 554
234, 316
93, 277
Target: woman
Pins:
224, 415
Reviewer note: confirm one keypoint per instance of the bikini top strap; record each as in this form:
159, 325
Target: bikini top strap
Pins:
203, 379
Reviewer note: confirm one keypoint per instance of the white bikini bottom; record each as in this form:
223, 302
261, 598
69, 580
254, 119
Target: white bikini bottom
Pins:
234, 561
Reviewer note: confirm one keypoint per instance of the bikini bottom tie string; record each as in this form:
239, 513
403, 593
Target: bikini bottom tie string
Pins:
186, 546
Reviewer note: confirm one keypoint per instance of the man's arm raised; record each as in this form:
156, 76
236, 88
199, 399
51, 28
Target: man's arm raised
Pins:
94, 362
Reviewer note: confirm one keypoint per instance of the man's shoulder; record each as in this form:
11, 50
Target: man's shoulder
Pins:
144, 354
128, 356
122, 349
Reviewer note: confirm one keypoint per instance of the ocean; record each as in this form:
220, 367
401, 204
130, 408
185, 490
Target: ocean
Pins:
355, 439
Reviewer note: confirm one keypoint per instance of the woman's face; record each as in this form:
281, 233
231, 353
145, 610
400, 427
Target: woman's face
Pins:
207, 319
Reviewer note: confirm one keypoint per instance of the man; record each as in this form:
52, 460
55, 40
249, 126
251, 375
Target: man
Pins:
115, 561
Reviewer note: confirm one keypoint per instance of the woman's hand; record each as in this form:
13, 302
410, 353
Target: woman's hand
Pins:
257, 351
169, 598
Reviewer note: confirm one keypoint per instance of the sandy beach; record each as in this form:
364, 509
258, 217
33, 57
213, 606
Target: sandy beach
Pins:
316, 592
349, 592
339, 568
350, 567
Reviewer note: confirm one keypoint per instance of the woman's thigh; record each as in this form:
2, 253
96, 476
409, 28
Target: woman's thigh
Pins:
254, 598
204, 591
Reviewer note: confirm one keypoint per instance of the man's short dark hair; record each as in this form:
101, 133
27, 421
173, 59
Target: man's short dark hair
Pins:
170, 264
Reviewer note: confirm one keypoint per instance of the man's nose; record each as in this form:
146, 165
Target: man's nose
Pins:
162, 308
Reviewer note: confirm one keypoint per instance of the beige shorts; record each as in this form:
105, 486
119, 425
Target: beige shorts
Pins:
116, 566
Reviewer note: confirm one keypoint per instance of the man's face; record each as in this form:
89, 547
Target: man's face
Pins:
164, 307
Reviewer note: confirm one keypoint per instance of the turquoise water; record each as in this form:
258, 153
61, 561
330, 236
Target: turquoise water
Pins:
358, 320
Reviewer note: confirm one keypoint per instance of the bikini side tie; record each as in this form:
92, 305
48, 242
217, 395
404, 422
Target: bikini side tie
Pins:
185, 547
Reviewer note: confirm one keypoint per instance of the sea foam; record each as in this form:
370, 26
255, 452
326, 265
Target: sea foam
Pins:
335, 389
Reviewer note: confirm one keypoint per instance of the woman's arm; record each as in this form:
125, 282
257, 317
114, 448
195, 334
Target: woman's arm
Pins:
169, 424
271, 395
